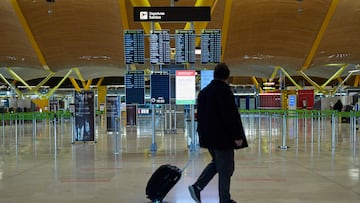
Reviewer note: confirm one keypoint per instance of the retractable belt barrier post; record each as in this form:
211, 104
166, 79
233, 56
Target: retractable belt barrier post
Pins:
16, 132
72, 121
55, 135
334, 120
153, 147
117, 133
34, 126
284, 146
3, 129
309, 118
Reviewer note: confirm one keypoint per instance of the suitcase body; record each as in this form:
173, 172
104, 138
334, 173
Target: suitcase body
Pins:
162, 180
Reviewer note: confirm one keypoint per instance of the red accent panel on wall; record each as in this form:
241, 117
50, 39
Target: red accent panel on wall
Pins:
306, 99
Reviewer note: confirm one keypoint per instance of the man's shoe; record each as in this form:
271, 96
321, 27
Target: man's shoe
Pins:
195, 193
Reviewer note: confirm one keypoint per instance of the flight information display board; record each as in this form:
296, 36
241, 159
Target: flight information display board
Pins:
185, 46
135, 87
160, 88
210, 46
160, 47
134, 47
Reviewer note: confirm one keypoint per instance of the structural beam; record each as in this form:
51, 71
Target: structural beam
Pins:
291, 79
256, 83
48, 77
225, 27
341, 84
320, 34
335, 75
18, 78
29, 34
307, 78
123, 14
88, 84
78, 73
357, 80
51, 92
74, 83
98, 84
18, 92
273, 75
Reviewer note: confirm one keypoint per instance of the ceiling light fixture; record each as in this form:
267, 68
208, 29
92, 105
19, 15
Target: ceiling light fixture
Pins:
340, 55
354, 71
300, 8
50, 2
335, 64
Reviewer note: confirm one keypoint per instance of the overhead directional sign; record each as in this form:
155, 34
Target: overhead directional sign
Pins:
181, 14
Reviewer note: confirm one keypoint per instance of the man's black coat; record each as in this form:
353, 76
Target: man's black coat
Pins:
219, 122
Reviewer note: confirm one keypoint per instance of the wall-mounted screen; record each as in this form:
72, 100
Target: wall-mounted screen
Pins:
185, 87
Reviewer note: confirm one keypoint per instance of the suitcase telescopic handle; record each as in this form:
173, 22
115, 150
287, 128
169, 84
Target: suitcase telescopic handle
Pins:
186, 165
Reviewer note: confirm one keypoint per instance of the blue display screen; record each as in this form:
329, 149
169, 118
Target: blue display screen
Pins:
160, 88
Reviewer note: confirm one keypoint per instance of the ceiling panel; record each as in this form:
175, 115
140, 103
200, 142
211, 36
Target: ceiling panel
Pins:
88, 34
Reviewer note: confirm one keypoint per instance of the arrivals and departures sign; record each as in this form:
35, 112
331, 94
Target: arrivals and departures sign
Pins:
134, 47
135, 87
210, 46
185, 46
160, 47
184, 14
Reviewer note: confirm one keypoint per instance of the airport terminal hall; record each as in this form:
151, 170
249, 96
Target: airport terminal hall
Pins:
180, 101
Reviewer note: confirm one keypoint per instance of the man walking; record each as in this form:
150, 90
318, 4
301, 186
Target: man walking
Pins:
220, 131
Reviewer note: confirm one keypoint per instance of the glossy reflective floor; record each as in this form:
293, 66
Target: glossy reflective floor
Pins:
43, 166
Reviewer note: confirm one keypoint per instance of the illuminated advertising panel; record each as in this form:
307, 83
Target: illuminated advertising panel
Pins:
185, 87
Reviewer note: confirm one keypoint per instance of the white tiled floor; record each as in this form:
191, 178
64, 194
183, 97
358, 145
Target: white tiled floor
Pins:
34, 170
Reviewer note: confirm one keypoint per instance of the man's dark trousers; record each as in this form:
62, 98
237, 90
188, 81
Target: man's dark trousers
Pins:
223, 164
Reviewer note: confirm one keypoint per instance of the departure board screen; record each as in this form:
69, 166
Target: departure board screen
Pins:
135, 87
210, 46
134, 47
185, 46
160, 88
160, 47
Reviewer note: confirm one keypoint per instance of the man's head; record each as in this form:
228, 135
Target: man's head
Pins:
221, 72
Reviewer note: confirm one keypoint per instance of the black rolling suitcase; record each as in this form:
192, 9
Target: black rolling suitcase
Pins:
162, 180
